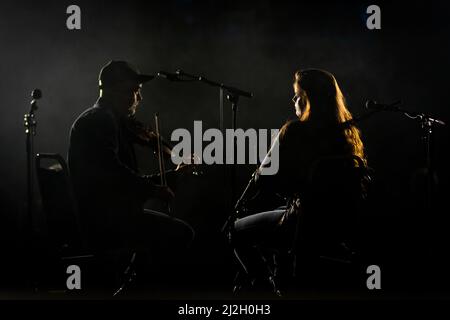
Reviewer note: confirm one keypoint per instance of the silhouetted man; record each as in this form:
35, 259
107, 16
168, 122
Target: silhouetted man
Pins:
110, 191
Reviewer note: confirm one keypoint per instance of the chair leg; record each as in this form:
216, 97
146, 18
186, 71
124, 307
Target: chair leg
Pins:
272, 276
264, 283
129, 276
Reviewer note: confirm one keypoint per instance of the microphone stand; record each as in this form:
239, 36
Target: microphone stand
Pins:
233, 95
427, 124
228, 227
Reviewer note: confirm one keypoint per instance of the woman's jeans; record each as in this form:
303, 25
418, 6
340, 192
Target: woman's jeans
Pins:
259, 235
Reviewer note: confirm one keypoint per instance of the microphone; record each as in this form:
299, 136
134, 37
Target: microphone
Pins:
371, 104
169, 76
36, 94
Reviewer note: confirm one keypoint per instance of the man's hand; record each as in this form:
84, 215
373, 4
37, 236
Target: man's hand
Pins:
188, 161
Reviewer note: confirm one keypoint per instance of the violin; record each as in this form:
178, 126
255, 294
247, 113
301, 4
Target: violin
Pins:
144, 135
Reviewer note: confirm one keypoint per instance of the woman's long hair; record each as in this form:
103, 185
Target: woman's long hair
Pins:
323, 104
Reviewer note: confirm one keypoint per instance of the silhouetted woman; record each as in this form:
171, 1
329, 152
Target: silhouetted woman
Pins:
323, 129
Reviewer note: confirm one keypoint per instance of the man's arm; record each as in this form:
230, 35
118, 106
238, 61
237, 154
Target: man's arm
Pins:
99, 136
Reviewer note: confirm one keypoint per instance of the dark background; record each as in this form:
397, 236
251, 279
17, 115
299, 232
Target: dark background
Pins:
257, 46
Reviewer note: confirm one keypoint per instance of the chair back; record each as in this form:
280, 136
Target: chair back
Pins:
58, 202
332, 205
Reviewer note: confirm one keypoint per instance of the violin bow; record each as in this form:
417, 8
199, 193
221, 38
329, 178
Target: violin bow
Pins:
162, 169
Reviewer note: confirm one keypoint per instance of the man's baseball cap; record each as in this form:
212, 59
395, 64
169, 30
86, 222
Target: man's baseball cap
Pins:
116, 72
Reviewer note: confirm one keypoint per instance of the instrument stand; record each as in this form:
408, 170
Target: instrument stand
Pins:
30, 124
